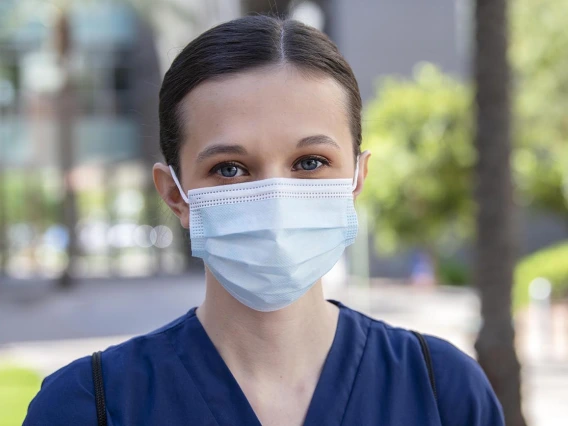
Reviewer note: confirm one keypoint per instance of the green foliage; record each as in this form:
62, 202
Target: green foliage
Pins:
550, 263
453, 272
419, 133
539, 44
17, 388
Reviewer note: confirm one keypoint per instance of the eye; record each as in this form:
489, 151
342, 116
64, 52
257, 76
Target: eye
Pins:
228, 170
310, 163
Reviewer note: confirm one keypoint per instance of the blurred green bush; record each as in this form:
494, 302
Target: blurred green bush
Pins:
17, 388
420, 132
453, 272
550, 263
538, 46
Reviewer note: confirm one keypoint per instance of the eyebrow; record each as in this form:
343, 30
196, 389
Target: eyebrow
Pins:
213, 150
317, 140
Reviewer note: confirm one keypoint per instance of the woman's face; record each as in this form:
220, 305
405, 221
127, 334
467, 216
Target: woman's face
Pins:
261, 124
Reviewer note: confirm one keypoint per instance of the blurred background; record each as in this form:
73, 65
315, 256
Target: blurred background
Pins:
464, 218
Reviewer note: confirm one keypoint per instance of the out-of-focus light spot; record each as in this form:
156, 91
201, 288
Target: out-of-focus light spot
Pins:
310, 14
122, 235
144, 236
164, 236
20, 235
540, 289
56, 237
51, 260
93, 236
41, 72
129, 203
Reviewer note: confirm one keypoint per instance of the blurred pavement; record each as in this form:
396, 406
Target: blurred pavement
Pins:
46, 330
95, 308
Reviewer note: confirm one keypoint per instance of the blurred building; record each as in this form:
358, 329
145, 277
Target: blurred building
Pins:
380, 38
88, 72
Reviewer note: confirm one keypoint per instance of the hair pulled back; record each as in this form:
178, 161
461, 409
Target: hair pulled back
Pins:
241, 45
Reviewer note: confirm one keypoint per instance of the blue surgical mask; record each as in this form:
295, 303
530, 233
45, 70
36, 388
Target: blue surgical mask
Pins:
269, 241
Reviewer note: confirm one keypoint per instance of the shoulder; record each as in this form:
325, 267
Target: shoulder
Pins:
462, 387
465, 396
123, 357
67, 396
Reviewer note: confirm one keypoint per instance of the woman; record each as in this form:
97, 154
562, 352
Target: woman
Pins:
261, 131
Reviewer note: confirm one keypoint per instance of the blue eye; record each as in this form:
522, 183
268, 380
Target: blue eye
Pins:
309, 164
228, 170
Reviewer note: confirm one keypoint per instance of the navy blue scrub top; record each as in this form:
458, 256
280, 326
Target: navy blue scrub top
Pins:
374, 374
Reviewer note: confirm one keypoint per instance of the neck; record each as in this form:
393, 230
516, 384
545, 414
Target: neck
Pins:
289, 342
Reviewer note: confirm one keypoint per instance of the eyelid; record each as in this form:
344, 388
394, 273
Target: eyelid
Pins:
222, 164
324, 161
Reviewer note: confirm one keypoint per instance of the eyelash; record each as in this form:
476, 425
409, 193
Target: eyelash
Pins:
217, 167
322, 160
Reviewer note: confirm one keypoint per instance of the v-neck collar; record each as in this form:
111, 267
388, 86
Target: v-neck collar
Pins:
228, 403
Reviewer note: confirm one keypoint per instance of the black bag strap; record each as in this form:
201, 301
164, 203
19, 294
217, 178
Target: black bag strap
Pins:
428, 360
96, 361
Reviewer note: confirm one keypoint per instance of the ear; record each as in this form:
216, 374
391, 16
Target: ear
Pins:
362, 175
169, 192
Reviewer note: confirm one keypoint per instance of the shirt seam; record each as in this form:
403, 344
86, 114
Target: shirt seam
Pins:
189, 374
358, 369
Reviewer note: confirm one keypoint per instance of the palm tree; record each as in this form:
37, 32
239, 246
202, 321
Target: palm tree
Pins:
495, 243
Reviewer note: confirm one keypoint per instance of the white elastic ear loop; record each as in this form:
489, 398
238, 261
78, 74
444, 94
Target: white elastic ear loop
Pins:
174, 176
355, 178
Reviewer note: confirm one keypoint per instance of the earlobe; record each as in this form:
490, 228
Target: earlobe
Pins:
169, 192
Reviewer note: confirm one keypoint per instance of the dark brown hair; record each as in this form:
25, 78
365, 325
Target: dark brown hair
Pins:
244, 44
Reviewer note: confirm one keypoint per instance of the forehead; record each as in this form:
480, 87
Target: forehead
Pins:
274, 105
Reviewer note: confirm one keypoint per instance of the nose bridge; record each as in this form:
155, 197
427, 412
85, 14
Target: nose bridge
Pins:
271, 170
272, 163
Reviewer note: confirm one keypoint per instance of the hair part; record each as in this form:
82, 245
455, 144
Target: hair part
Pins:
241, 45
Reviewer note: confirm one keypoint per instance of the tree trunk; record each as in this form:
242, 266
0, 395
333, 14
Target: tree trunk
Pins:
495, 245
66, 156
65, 107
